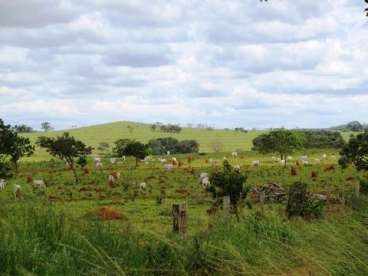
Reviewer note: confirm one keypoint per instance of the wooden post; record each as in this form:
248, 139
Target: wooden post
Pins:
226, 204
179, 214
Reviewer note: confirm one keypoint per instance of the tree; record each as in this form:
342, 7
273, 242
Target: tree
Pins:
67, 148
282, 142
355, 126
228, 182
135, 149
120, 145
46, 126
13, 145
23, 128
355, 152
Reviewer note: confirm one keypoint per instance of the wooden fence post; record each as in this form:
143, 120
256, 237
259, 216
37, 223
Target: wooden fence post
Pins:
179, 214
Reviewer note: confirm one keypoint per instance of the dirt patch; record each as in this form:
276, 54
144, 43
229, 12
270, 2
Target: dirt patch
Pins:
106, 213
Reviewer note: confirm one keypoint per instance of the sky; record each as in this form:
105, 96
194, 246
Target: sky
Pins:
233, 63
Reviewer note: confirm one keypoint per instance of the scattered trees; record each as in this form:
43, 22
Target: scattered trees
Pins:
22, 128
160, 146
67, 148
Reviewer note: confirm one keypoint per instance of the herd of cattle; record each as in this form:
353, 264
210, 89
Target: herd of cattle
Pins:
170, 163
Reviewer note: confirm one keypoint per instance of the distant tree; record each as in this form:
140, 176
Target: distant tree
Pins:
13, 145
153, 127
46, 126
217, 146
67, 148
120, 145
228, 182
23, 128
355, 126
282, 142
130, 129
187, 146
355, 152
137, 150
161, 146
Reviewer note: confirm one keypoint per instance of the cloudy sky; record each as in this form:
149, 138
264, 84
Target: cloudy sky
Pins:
224, 63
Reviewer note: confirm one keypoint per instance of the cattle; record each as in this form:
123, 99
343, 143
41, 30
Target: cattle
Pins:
304, 162
282, 162
324, 156
162, 160
98, 165
289, 158
123, 157
169, 167
113, 178
273, 158
17, 191
112, 160
2, 184
237, 167
142, 185
256, 163
204, 180
97, 159
234, 154
303, 157
202, 175
39, 184
317, 160
168, 153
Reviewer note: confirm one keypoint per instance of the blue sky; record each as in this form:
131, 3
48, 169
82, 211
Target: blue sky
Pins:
223, 63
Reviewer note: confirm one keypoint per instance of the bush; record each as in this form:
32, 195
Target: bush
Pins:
161, 146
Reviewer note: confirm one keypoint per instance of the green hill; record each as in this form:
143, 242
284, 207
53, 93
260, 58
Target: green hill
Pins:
109, 133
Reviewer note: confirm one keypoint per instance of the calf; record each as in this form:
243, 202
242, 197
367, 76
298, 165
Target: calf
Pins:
2, 184
40, 184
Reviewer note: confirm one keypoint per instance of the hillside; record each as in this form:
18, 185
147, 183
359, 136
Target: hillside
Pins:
109, 133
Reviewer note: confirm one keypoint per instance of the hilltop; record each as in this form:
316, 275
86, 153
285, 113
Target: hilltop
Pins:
110, 132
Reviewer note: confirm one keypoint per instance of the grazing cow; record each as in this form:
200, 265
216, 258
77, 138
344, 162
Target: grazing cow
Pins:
273, 158
324, 156
98, 165
17, 191
29, 179
112, 160
282, 162
162, 160
123, 157
234, 154
39, 184
168, 153
304, 162
116, 175
97, 159
256, 163
237, 167
2, 184
317, 160
205, 182
169, 167
289, 158
202, 175
142, 185
303, 157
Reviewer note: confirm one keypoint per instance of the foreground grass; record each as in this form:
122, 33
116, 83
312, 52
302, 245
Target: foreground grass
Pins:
35, 239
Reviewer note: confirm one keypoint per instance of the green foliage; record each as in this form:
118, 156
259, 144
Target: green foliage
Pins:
13, 145
228, 182
161, 146
120, 145
321, 139
355, 152
23, 128
46, 126
282, 142
103, 146
66, 148
302, 204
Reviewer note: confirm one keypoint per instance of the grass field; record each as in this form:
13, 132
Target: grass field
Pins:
109, 133
57, 232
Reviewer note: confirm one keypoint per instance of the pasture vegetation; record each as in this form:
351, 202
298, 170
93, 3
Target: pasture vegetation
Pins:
100, 227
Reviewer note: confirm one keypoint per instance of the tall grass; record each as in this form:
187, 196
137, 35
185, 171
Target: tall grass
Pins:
36, 240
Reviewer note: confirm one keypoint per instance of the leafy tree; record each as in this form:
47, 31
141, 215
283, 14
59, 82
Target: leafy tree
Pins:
135, 149
23, 128
355, 126
160, 146
67, 148
355, 152
228, 182
120, 145
187, 146
13, 145
282, 142
46, 126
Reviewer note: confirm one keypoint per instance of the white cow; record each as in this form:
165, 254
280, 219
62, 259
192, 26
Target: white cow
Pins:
205, 182
282, 162
174, 159
234, 154
237, 167
169, 167
112, 160
123, 157
2, 184
162, 160
142, 185
168, 153
324, 156
289, 158
97, 159
202, 175
256, 163
39, 184
98, 165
